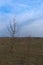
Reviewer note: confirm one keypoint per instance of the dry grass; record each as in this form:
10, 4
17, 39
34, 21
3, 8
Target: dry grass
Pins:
24, 51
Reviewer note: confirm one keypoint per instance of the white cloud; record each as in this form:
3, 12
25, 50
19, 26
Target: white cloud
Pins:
29, 15
2, 26
24, 17
33, 29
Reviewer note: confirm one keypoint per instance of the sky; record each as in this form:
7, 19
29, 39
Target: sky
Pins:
28, 15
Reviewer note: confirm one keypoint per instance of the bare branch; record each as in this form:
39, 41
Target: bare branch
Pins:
12, 28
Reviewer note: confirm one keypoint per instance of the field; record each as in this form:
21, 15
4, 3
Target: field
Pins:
21, 51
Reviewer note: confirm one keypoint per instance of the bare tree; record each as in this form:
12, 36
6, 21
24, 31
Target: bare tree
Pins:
12, 30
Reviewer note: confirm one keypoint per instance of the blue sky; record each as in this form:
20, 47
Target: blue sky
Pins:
28, 15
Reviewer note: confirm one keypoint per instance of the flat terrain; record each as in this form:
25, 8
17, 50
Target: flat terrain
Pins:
21, 51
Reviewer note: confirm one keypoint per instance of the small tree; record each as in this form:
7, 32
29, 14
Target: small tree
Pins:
12, 31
